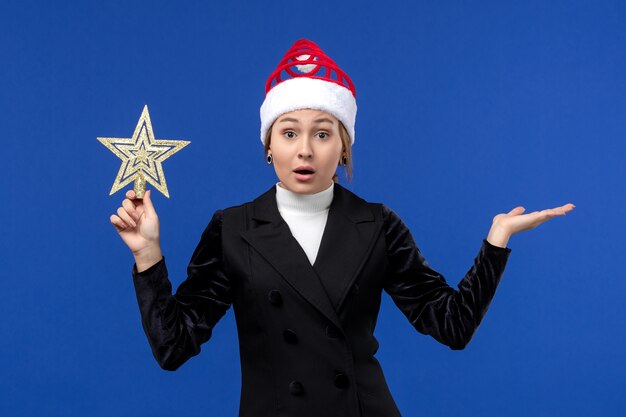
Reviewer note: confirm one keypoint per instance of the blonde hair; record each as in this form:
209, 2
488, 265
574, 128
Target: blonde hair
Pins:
346, 151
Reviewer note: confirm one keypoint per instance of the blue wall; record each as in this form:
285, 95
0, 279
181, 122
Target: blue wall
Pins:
466, 110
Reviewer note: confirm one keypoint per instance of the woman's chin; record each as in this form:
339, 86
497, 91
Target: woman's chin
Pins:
304, 186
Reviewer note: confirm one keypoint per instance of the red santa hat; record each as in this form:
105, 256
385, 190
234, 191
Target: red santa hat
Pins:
306, 78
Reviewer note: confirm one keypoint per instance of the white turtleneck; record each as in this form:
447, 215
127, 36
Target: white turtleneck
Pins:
306, 215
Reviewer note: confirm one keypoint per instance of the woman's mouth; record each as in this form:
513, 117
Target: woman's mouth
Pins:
304, 173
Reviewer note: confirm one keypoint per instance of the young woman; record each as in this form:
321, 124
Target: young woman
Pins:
304, 264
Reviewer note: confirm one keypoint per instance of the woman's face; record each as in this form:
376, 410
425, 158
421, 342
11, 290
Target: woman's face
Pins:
306, 147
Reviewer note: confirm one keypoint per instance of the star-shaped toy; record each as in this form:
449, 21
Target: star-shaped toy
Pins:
142, 156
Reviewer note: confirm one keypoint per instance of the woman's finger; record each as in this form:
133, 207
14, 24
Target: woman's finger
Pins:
553, 212
547, 214
517, 210
130, 194
567, 207
561, 210
147, 202
125, 216
131, 209
118, 223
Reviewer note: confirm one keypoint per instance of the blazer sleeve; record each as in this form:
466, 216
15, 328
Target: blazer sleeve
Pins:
422, 294
176, 325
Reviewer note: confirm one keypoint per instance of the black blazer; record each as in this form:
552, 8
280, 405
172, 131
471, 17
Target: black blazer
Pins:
306, 332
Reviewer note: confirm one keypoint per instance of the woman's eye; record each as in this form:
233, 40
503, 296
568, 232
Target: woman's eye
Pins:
290, 134
323, 135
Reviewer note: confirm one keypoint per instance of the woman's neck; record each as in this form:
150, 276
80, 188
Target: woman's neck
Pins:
304, 203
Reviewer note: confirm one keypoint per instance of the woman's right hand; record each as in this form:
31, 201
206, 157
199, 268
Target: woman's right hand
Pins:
138, 224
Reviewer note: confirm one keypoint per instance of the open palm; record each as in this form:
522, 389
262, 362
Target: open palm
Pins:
514, 221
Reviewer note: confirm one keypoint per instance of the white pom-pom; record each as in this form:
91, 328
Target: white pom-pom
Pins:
307, 67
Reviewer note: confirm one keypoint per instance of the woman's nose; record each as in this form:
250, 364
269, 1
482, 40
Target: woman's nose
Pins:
305, 150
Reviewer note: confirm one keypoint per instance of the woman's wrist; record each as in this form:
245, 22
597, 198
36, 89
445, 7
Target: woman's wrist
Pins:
498, 235
147, 257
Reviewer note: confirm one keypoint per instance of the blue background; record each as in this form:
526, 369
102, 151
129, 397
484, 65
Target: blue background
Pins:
466, 110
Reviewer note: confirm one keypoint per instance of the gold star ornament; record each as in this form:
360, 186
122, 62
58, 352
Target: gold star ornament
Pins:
142, 156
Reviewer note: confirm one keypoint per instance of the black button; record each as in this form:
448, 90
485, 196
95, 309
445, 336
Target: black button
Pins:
275, 297
341, 381
295, 388
333, 332
290, 336
355, 289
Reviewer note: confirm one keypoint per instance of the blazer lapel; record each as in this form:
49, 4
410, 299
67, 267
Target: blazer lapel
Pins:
348, 237
274, 241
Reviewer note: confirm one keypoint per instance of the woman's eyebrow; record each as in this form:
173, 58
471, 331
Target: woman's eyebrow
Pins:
288, 119
324, 120
291, 119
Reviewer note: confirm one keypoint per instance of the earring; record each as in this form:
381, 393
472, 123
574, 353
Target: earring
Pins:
269, 159
344, 160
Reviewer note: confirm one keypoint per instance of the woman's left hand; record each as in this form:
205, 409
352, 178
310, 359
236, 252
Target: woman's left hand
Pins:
507, 224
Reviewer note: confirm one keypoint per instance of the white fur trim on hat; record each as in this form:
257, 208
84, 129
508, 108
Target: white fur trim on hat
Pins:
308, 93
